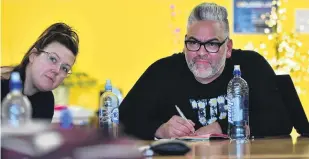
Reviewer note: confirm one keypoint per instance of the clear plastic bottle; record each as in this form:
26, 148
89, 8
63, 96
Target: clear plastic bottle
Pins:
108, 111
238, 111
16, 108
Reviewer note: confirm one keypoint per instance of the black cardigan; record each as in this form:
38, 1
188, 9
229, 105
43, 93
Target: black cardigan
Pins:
42, 102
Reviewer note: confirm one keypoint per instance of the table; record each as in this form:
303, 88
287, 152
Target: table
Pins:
272, 148
265, 148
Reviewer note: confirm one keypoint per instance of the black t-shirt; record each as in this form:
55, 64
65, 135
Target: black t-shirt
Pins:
169, 82
42, 102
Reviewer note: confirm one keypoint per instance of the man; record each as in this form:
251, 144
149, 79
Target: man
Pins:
196, 81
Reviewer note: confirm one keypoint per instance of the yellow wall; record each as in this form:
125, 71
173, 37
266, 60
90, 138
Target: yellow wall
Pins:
119, 39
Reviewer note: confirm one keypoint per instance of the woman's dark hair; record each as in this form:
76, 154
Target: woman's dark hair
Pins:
58, 32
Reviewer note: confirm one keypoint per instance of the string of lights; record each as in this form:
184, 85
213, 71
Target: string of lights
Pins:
289, 57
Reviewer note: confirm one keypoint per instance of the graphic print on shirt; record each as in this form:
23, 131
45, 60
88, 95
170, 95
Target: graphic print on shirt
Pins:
217, 109
201, 105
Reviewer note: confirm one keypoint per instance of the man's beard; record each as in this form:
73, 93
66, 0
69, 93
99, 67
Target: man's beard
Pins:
201, 71
204, 71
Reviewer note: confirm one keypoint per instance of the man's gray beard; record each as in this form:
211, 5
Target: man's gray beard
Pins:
206, 73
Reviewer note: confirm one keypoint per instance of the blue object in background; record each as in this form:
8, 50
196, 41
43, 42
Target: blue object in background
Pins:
66, 119
247, 15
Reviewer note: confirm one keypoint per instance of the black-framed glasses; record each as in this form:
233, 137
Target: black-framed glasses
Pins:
210, 46
53, 59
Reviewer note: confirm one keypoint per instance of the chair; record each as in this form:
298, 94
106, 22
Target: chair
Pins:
293, 104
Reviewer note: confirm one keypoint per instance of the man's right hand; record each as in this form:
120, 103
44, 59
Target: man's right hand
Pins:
175, 127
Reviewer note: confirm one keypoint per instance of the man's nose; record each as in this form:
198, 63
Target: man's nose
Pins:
202, 51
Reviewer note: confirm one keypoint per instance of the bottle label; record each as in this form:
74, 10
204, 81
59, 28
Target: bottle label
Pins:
238, 110
108, 116
108, 113
115, 116
230, 105
14, 115
104, 116
246, 109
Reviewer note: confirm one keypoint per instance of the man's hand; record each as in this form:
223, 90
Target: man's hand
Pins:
209, 129
175, 127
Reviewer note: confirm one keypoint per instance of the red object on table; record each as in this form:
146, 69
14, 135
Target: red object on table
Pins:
60, 107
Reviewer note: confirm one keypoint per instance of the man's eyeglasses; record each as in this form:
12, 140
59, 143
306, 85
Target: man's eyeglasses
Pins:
210, 46
53, 59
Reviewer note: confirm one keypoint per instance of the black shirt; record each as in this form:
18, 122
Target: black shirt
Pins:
42, 102
169, 82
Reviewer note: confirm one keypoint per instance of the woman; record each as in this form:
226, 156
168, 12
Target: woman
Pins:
46, 64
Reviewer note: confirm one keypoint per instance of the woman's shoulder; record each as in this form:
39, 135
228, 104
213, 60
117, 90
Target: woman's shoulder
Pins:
43, 103
4, 82
42, 98
45, 97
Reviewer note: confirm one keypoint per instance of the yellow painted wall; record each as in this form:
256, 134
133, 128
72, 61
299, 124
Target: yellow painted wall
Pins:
118, 39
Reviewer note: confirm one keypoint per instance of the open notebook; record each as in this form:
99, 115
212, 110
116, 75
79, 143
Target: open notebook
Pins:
203, 137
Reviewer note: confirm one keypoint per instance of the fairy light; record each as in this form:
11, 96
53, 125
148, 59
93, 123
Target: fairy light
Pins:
250, 46
262, 46
287, 59
303, 58
175, 30
301, 27
265, 53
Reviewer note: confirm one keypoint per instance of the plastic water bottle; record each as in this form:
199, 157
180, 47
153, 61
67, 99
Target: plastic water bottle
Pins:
238, 110
108, 111
16, 108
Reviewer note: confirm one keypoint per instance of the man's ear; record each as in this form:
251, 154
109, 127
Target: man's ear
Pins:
33, 54
229, 48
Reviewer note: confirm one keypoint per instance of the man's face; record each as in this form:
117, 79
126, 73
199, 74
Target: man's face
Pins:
209, 61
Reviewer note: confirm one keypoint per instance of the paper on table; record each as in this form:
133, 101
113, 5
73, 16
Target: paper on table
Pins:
203, 137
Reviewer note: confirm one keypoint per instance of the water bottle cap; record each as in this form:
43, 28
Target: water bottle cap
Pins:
237, 70
15, 81
15, 77
108, 85
66, 119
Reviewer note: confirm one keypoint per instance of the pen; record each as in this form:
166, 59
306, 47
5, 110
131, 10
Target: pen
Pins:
182, 115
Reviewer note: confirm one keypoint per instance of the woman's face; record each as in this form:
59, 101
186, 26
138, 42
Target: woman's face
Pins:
51, 66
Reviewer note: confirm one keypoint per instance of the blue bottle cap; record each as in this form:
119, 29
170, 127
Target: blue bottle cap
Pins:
66, 119
108, 85
15, 81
